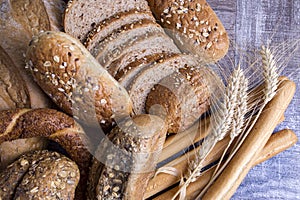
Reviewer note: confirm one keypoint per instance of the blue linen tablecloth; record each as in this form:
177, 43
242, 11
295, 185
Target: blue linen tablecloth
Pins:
249, 24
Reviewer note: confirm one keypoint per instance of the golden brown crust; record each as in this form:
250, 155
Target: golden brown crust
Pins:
184, 96
75, 81
131, 160
194, 26
40, 175
54, 125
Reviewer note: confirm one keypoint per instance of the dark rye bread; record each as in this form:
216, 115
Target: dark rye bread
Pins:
183, 95
19, 21
194, 26
14, 94
146, 45
40, 175
81, 17
123, 38
75, 81
108, 26
129, 158
144, 81
126, 75
53, 125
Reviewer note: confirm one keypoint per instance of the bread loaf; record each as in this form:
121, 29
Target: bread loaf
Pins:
40, 175
14, 94
75, 81
51, 124
129, 156
20, 20
184, 97
80, 17
194, 26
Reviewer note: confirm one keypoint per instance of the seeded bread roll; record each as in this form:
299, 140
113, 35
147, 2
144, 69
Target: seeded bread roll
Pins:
53, 125
194, 26
184, 97
14, 94
75, 81
80, 17
20, 20
40, 175
129, 155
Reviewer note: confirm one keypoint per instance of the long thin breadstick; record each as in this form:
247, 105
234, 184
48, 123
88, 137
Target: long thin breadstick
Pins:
277, 143
163, 181
225, 186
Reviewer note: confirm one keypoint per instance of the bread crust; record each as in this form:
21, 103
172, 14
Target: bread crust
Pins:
194, 26
75, 81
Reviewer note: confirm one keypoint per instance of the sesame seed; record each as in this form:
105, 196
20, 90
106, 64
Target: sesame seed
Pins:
202, 22
71, 48
209, 45
61, 89
205, 34
35, 70
166, 10
47, 63
56, 59
168, 22
34, 190
103, 101
198, 7
197, 23
178, 25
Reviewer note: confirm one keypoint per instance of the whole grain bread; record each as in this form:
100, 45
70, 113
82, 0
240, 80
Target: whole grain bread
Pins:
145, 46
194, 26
80, 17
53, 125
145, 80
184, 97
123, 38
19, 21
109, 25
40, 175
75, 81
130, 155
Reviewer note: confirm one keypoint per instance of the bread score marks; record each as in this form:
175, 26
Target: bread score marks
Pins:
40, 174
131, 153
75, 81
194, 26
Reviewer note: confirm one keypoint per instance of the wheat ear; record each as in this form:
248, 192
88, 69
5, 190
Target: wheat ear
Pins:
271, 76
223, 120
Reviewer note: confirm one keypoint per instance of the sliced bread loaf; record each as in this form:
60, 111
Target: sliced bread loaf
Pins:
146, 45
80, 17
194, 26
123, 38
147, 78
110, 25
184, 95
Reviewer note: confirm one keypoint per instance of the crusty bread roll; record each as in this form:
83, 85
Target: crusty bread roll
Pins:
14, 94
183, 97
194, 26
20, 20
75, 81
40, 175
55, 126
129, 158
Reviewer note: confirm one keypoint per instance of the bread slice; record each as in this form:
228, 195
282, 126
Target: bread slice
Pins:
184, 97
108, 26
143, 83
146, 45
123, 38
194, 26
82, 16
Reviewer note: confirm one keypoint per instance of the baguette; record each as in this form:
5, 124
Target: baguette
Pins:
53, 125
75, 81
40, 175
194, 26
130, 156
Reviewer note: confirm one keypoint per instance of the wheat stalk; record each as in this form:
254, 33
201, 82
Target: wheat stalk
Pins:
271, 76
223, 117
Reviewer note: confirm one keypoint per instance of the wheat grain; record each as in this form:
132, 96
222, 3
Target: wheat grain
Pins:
223, 120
